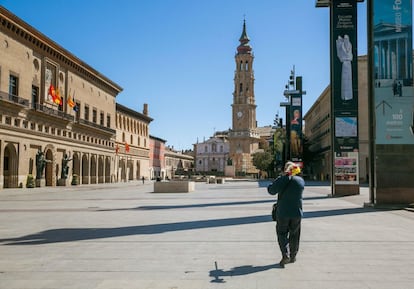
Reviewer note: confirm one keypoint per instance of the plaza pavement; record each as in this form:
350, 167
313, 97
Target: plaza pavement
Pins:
123, 236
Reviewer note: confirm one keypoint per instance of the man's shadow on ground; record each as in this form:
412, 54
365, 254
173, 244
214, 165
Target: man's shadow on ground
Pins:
217, 274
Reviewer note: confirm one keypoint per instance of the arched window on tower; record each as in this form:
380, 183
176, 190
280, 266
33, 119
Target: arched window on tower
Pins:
241, 66
241, 87
247, 66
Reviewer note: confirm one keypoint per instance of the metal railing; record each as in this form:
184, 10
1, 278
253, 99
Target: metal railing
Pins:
14, 99
50, 111
95, 125
53, 112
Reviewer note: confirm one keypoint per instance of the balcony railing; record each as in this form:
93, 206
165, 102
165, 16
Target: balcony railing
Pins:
95, 125
14, 99
53, 112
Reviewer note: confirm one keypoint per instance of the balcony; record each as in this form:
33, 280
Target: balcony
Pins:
53, 112
95, 125
14, 99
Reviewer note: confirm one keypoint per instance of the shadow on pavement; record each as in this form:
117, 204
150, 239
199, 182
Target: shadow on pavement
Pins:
196, 205
338, 212
79, 234
217, 274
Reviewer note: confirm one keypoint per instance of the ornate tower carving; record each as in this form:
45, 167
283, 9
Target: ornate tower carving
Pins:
243, 137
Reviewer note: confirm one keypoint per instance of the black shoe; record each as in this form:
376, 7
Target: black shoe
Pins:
292, 259
285, 260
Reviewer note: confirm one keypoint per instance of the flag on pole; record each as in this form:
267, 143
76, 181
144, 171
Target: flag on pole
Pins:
71, 102
52, 93
57, 99
127, 147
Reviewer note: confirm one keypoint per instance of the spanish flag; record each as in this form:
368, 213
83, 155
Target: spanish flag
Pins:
52, 92
57, 99
71, 102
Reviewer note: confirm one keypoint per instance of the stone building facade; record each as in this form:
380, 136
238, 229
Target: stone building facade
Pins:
157, 158
60, 123
212, 155
178, 164
132, 148
54, 104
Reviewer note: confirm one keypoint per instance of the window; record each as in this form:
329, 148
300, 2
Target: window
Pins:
102, 118
62, 99
94, 115
35, 96
13, 85
108, 121
78, 110
86, 113
214, 147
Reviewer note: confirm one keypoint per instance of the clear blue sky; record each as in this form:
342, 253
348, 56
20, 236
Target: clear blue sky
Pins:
178, 55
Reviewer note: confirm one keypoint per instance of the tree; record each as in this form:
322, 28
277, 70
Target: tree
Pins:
279, 139
263, 161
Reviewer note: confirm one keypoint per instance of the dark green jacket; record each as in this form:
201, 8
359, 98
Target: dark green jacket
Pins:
289, 200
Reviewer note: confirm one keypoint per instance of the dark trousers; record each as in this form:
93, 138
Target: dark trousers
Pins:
288, 235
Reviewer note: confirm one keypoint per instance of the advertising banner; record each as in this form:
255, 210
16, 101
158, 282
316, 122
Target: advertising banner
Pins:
393, 72
296, 136
345, 91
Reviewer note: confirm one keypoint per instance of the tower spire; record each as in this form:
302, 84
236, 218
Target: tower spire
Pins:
244, 46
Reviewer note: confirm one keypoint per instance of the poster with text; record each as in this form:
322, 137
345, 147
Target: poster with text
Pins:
393, 72
345, 91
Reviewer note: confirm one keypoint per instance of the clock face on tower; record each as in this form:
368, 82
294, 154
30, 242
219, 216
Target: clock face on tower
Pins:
239, 114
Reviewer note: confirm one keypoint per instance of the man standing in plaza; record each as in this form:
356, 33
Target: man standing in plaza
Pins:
289, 188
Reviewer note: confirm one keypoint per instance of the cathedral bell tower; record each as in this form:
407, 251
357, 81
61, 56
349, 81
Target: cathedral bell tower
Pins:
243, 137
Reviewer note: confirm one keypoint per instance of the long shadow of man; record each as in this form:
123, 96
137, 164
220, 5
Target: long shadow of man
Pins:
238, 271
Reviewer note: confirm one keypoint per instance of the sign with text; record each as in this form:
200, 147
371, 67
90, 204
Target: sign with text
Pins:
393, 72
344, 91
